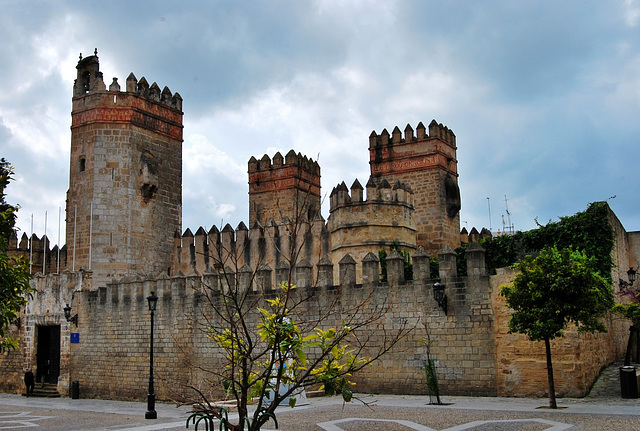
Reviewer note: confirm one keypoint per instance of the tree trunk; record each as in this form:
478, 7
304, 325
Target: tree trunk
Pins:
627, 357
552, 387
637, 346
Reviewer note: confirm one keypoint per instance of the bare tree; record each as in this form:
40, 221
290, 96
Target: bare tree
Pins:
277, 341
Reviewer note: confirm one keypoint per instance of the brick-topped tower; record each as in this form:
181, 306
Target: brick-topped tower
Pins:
427, 162
283, 187
124, 202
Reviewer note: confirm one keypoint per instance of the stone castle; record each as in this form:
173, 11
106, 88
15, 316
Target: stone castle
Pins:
124, 240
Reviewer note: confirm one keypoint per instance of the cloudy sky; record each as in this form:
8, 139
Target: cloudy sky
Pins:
544, 97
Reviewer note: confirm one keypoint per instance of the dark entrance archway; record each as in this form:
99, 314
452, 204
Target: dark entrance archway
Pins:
48, 355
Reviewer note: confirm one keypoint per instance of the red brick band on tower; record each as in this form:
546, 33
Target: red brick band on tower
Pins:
285, 187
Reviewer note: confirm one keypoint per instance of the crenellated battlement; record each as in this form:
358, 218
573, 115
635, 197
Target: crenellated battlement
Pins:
473, 235
39, 252
378, 190
124, 240
283, 187
244, 249
126, 164
395, 154
435, 131
90, 81
290, 160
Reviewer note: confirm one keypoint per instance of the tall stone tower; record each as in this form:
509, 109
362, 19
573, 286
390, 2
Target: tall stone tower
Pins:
285, 187
124, 203
427, 162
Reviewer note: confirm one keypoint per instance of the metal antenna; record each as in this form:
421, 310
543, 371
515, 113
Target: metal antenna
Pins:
489, 205
506, 204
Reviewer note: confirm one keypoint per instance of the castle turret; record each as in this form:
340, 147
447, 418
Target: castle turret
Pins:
383, 220
427, 162
124, 202
282, 188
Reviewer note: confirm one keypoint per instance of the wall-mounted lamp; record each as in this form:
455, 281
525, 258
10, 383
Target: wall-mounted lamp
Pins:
67, 315
440, 296
631, 274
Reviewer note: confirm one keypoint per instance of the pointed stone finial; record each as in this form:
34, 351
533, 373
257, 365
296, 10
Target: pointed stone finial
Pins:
114, 85
95, 52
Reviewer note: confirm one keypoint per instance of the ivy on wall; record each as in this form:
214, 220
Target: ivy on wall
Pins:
588, 231
408, 265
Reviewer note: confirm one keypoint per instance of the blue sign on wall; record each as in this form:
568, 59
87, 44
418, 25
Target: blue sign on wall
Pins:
75, 337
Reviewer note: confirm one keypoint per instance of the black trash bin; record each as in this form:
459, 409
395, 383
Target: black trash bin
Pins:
75, 390
628, 382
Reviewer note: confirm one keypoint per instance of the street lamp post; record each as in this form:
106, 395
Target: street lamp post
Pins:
151, 396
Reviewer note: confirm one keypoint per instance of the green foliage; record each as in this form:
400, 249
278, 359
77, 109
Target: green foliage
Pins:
554, 289
630, 311
408, 265
432, 380
382, 255
14, 272
588, 231
461, 260
434, 268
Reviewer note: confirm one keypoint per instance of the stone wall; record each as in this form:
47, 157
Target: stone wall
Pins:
474, 353
577, 358
111, 358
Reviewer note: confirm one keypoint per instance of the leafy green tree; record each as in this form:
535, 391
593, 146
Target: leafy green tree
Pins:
14, 271
554, 289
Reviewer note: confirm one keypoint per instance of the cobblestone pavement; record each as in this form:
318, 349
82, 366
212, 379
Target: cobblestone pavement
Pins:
603, 409
608, 384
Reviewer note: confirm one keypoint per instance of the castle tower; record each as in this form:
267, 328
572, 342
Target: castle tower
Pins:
124, 202
358, 226
282, 188
427, 162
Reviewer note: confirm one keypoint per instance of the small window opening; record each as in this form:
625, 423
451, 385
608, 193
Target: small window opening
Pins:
83, 164
86, 84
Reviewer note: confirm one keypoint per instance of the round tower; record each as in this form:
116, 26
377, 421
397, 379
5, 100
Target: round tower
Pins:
124, 202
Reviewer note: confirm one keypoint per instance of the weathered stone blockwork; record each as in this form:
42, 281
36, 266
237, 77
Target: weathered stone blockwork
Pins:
285, 187
385, 218
124, 224
577, 358
111, 359
124, 202
428, 163
474, 353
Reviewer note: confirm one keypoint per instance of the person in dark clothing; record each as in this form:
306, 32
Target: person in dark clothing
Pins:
29, 381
